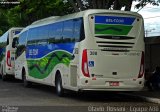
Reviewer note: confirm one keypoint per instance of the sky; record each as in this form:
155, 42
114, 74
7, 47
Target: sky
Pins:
151, 15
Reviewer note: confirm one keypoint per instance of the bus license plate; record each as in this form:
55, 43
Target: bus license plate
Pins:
114, 83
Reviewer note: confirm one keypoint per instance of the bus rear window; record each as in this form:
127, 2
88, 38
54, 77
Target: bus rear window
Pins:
113, 25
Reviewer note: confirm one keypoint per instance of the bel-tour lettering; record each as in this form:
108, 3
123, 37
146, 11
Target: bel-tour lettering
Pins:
33, 52
115, 20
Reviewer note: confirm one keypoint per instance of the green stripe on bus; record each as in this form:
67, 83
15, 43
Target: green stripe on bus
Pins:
112, 29
42, 68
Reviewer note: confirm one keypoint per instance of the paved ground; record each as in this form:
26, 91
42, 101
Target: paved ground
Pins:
150, 96
40, 98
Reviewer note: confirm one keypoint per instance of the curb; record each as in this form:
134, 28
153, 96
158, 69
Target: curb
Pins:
148, 99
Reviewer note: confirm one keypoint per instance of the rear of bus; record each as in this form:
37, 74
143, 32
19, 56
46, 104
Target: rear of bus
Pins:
10, 51
112, 53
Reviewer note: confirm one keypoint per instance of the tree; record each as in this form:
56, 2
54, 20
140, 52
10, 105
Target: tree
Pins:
143, 3
6, 19
80, 5
3, 22
29, 11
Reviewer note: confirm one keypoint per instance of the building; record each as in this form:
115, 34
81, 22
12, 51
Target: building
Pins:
152, 53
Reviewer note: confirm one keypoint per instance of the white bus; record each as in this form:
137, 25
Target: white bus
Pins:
97, 50
7, 53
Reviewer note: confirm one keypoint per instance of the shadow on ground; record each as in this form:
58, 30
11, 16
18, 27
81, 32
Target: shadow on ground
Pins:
83, 96
90, 95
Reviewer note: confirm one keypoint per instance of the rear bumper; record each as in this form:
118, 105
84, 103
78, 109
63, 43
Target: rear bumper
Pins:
112, 89
10, 71
103, 84
10, 74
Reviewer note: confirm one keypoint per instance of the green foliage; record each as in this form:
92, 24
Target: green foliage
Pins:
29, 11
80, 5
3, 21
143, 3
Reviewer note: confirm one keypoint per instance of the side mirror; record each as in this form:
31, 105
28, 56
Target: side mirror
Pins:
15, 43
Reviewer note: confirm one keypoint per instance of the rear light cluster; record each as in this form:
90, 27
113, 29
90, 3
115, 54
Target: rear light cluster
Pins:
8, 58
84, 65
141, 71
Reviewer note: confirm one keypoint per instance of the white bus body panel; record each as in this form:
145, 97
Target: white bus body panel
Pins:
9, 69
111, 70
105, 67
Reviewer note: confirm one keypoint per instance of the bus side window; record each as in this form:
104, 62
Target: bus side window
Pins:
79, 29
51, 33
21, 44
32, 36
58, 32
42, 35
68, 29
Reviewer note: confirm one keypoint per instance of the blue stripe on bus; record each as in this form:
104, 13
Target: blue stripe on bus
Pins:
38, 51
114, 20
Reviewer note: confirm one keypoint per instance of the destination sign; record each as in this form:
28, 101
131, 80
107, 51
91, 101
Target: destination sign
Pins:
114, 20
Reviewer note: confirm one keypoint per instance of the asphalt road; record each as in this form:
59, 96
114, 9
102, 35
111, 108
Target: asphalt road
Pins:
39, 98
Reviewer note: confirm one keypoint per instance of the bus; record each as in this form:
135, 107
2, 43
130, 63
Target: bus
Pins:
92, 50
7, 53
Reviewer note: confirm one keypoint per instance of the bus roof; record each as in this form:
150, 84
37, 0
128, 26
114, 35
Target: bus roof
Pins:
13, 28
52, 19
81, 14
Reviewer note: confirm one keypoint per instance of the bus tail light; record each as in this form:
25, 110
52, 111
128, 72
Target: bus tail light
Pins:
141, 71
84, 66
9, 58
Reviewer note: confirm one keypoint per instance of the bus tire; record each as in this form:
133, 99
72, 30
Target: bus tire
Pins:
0, 71
4, 77
59, 87
25, 82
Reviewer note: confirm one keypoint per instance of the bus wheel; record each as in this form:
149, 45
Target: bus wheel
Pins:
25, 82
59, 88
4, 77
